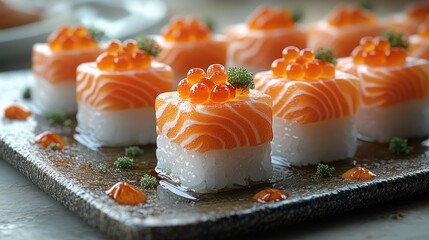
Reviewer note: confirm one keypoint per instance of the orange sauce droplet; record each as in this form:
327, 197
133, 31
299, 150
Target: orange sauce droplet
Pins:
16, 112
358, 173
270, 195
125, 193
47, 138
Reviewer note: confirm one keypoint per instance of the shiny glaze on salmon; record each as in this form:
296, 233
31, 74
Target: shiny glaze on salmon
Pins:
245, 121
122, 90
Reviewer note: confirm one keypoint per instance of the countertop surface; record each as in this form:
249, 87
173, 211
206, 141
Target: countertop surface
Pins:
28, 213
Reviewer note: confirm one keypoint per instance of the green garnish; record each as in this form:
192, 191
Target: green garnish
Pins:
399, 146
53, 146
324, 171
148, 45
90, 164
210, 23
240, 78
396, 39
326, 55
124, 162
133, 151
58, 118
297, 15
367, 5
27, 93
96, 33
148, 181
101, 168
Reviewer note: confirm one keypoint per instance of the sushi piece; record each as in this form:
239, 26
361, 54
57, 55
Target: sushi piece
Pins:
214, 132
394, 91
314, 107
266, 32
343, 29
116, 96
419, 43
54, 67
408, 22
186, 43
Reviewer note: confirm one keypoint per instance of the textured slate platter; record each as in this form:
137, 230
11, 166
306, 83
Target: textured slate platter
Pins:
67, 177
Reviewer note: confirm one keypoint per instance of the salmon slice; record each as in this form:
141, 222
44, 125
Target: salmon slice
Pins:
347, 65
182, 56
403, 24
60, 66
419, 47
311, 101
340, 39
122, 90
242, 122
386, 86
257, 49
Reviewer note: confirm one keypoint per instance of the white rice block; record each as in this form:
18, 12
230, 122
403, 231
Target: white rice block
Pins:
58, 97
312, 143
213, 170
118, 127
406, 120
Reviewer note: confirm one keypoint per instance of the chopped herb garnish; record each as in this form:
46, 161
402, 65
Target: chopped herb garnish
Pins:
102, 168
148, 181
297, 15
399, 146
240, 78
90, 164
133, 151
366, 4
396, 39
27, 93
148, 45
324, 171
96, 33
124, 162
209, 23
326, 55
57, 118
53, 146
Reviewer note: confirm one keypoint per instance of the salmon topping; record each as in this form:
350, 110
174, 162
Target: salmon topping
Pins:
16, 112
423, 29
349, 15
51, 140
419, 11
186, 29
265, 18
123, 57
67, 38
376, 52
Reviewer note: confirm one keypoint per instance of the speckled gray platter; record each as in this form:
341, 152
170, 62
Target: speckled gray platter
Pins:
67, 177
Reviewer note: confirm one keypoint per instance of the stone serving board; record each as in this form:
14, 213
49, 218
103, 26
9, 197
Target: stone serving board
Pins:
68, 178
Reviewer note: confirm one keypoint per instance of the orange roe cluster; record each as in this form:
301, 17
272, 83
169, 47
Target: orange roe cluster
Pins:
348, 15
68, 38
50, 139
376, 52
123, 57
419, 12
301, 65
186, 29
16, 112
211, 86
266, 18
423, 29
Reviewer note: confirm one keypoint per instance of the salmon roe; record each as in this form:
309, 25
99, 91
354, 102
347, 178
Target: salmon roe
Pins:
376, 52
419, 11
49, 139
423, 29
266, 18
299, 64
123, 57
16, 112
348, 15
358, 173
68, 38
186, 29
210, 86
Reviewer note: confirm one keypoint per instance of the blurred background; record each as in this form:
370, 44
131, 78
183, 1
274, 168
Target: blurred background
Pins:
25, 22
